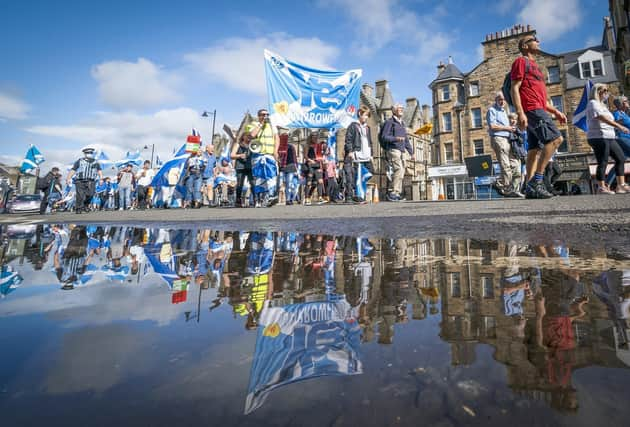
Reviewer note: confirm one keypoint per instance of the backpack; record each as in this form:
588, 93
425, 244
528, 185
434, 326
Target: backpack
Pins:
381, 140
507, 84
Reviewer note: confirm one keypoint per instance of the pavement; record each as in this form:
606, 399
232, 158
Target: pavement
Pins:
600, 220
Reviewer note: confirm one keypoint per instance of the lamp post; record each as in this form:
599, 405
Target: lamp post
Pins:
146, 147
212, 113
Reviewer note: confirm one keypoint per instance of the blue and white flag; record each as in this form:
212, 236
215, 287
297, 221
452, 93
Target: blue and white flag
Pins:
104, 161
32, 160
363, 176
265, 171
579, 116
178, 161
302, 341
302, 97
166, 270
10, 280
132, 158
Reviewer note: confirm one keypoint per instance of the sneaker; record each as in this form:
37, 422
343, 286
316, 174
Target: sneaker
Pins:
321, 201
498, 189
307, 202
358, 200
604, 190
515, 195
393, 197
537, 190
622, 189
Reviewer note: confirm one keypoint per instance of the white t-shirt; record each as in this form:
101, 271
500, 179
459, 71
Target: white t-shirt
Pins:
597, 128
147, 178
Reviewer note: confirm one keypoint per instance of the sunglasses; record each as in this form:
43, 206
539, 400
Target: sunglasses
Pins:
263, 114
531, 40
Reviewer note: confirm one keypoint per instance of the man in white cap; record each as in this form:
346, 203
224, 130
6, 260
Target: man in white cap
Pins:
87, 171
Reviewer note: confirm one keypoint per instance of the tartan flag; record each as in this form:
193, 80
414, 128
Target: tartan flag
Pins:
32, 160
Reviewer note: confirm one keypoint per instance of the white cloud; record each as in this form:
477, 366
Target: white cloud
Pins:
377, 24
551, 18
130, 85
12, 108
117, 133
238, 62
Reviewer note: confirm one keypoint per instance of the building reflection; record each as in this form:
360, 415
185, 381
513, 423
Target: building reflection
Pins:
547, 311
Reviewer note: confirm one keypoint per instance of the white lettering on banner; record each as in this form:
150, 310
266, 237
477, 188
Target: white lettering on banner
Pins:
315, 118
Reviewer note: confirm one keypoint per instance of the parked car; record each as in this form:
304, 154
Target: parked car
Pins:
24, 203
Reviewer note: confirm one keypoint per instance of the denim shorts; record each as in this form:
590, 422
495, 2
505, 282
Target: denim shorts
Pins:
541, 129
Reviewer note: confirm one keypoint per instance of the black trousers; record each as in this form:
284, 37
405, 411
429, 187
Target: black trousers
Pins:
142, 191
84, 193
241, 174
604, 148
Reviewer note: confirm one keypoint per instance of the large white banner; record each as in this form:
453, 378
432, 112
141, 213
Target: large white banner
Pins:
301, 97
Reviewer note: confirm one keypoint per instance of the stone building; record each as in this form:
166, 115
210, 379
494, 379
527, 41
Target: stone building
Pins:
461, 100
379, 100
620, 22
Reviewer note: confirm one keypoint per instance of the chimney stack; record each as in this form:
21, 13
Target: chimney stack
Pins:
426, 118
367, 89
440, 67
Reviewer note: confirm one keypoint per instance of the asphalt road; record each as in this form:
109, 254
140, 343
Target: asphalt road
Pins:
577, 219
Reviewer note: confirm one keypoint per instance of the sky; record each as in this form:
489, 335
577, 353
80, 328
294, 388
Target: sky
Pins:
123, 75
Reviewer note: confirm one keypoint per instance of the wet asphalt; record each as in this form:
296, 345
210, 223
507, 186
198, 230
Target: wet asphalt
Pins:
587, 220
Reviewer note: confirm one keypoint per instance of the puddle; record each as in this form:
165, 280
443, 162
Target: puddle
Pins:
126, 326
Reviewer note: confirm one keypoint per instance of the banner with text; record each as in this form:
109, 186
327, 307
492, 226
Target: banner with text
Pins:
301, 97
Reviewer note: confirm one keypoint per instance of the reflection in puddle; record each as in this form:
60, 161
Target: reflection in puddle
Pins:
306, 306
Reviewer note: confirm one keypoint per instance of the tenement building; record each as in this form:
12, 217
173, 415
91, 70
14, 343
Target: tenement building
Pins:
461, 100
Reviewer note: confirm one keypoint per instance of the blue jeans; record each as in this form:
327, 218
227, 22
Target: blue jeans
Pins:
124, 197
193, 188
290, 187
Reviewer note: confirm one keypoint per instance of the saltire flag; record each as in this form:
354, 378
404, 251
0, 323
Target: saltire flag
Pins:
301, 341
363, 176
260, 256
332, 145
166, 270
10, 280
265, 171
579, 116
132, 158
302, 97
32, 159
104, 161
161, 177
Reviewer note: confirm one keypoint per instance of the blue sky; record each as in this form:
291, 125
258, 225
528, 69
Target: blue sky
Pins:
121, 75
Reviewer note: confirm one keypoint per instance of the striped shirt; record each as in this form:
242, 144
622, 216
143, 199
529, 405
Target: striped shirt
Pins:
86, 169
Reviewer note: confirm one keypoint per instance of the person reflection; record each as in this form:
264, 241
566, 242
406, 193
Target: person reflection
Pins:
70, 259
558, 306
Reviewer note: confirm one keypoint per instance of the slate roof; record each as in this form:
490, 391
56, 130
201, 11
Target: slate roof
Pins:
451, 72
572, 68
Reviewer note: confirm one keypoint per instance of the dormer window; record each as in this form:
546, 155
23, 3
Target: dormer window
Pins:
591, 64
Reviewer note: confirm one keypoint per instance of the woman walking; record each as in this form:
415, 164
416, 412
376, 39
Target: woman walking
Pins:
602, 139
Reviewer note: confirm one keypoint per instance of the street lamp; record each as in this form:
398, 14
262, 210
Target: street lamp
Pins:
214, 117
146, 147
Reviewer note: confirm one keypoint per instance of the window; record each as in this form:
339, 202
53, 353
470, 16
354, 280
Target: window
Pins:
448, 152
591, 64
478, 144
474, 89
476, 117
454, 248
446, 93
598, 70
487, 286
554, 74
447, 124
456, 290
585, 68
557, 102
564, 147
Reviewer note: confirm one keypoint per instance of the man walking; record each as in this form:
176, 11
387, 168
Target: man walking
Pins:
144, 178
529, 95
394, 135
87, 171
499, 128
49, 185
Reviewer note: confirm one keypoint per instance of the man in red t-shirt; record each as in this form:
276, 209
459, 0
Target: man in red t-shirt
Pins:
529, 95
